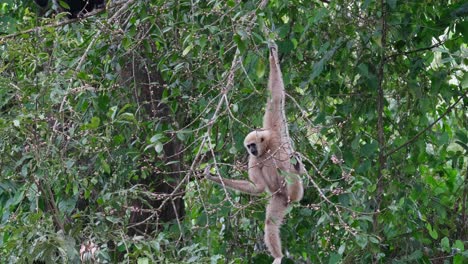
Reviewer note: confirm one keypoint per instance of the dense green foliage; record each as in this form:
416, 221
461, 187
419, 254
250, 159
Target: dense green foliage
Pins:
377, 105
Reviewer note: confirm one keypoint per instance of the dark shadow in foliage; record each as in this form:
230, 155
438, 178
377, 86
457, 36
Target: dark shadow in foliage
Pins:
144, 220
75, 8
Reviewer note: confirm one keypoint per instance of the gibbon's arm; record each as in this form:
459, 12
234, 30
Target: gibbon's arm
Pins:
255, 187
274, 112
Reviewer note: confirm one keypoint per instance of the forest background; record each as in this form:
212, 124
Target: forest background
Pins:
107, 121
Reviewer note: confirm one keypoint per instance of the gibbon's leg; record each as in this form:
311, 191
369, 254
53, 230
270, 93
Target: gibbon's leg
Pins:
274, 217
295, 189
255, 187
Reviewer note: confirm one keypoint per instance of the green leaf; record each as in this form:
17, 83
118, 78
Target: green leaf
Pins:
363, 69
240, 43
126, 43
16, 199
143, 261
67, 206
25, 170
432, 232
156, 138
334, 258
127, 117
374, 240
415, 255
233, 150
180, 135
105, 167
445, 243
459, 244
113, 219
369, 149
342, 249
361, 240
317, 69
118, 139
322, 219
464, 81
159, 147
319, 15
187, 49
306, 212
459, 259
93, 124
64, 4
112, 112
260, 69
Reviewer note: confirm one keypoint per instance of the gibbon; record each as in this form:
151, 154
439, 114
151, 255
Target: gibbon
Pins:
273, 167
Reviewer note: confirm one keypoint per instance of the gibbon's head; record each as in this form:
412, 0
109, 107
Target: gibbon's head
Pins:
257, 141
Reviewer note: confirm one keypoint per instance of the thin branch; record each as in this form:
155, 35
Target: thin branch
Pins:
49, 200
427, 128
438, 44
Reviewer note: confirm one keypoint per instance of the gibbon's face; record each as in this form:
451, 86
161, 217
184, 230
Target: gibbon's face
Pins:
256, 142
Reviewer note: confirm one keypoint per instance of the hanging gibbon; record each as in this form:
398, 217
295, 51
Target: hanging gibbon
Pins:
273, 166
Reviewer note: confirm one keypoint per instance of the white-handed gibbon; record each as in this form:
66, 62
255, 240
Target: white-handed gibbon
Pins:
273, 166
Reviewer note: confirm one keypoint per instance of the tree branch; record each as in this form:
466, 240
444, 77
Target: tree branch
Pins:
418, 50
380, 125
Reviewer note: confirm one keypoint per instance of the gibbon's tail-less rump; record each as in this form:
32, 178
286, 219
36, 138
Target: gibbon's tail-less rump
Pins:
270, 162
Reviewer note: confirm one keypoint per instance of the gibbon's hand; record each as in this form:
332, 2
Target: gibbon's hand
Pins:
208, 174
277, 261
272, 45
274, 54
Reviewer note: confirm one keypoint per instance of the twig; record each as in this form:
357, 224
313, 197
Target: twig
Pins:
50, 201
418, 50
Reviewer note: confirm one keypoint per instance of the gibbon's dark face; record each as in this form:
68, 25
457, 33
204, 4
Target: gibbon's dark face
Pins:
252, 148
256, 142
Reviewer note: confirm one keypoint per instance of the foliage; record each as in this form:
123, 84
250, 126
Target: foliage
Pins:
77, 143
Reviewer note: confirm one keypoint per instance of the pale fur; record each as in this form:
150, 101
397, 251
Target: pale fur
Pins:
271, 169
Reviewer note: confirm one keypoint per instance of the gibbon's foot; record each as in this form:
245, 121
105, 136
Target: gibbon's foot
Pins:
277, 261
272, 45
207, 173
286, 260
